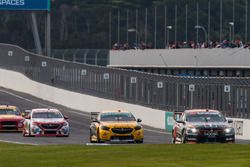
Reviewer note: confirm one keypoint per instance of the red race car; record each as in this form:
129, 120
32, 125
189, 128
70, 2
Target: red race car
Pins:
10, 119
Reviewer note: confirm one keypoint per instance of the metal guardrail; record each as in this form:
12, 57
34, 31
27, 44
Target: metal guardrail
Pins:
99, 57
170, 93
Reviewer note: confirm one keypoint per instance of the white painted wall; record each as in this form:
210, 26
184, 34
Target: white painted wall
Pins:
155, 118
216, 57
242, 131
19, 82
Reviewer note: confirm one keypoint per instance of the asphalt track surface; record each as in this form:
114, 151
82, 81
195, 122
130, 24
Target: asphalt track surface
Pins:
79, 123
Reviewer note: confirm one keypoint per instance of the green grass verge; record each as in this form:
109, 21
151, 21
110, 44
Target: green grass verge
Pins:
203, 155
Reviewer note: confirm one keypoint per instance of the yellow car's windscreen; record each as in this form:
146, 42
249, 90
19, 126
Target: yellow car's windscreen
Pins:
117, 117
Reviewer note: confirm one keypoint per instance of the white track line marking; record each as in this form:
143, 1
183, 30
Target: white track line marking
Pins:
36, 102
22, 143
83, 114
20, 97
97, 144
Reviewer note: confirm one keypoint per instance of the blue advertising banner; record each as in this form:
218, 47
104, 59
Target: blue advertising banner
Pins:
25, 5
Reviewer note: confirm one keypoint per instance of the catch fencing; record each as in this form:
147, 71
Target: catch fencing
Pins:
99, 57
169, 93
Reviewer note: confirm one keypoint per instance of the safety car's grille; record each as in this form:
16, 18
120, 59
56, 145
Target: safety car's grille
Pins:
122, 130
50, 126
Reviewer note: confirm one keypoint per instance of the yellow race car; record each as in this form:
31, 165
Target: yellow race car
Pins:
115, 126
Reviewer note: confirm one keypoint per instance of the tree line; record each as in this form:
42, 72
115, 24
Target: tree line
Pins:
97, 24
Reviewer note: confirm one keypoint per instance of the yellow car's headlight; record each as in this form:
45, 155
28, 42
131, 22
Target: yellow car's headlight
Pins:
138, 127
105, 128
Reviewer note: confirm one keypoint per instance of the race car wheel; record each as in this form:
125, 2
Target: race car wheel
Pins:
98, 137
183, 137
24, 133
139, 141
29, 134
232, 141
173, 141
90, 137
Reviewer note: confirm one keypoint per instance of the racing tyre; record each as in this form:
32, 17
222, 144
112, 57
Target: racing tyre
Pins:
29, 134
90, 137
233, 141
139, 141
173, 141
183, 137
98, 137
24, 134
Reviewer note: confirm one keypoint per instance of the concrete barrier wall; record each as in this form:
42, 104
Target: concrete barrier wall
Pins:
155, 118
242, 127
217, 57
19, 82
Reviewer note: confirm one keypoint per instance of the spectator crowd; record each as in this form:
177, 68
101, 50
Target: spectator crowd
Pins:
190, 44
126, 46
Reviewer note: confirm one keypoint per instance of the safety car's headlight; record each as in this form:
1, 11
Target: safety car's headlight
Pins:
138, 127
